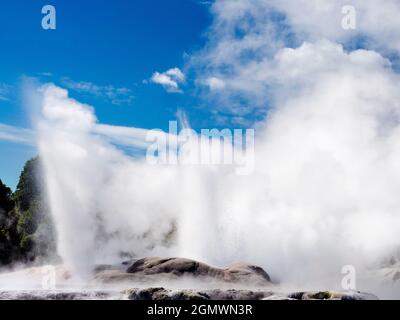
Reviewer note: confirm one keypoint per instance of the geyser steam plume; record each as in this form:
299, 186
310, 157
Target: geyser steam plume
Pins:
324, 192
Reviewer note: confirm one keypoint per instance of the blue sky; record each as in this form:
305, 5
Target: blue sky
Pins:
105, 44
109, 54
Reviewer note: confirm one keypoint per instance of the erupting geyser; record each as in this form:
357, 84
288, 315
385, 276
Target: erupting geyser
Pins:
323, 193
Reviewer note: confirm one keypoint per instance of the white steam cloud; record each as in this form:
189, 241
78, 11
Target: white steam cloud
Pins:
103, 203
324, 192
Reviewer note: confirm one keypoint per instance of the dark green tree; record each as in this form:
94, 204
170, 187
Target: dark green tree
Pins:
6, 202
8, 236
34, 223
26, 229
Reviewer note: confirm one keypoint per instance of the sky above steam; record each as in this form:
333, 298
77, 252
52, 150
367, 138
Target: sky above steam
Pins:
217, 61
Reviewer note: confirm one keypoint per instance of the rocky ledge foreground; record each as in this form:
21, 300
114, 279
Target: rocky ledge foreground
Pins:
232, 294
156, 278
159, 294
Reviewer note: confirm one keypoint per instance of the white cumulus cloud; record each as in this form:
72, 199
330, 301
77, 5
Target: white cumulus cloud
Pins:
170, 79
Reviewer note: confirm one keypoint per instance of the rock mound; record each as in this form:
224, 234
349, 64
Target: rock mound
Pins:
178, 267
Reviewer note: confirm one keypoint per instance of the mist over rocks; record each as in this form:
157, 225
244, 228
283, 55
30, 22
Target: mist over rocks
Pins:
155, 278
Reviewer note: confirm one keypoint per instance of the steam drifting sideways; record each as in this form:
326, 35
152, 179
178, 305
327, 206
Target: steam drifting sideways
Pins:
323, 192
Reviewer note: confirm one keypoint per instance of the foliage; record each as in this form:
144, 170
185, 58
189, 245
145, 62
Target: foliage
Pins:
9, 238
26, 231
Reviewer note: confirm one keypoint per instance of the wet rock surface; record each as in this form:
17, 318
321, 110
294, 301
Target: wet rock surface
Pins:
216, 294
